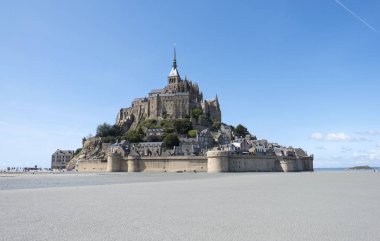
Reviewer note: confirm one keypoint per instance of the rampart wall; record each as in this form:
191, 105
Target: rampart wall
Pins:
157, 164
214, 162
93, 165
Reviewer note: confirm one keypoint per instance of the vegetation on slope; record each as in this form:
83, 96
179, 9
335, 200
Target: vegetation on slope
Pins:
241, 130
360, 168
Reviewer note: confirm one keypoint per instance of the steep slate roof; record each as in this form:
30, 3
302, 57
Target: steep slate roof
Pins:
66, 152
156, 91
174, 72
147, 144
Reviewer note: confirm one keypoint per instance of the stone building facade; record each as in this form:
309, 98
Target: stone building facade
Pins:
176, 100
60, 158
147, 148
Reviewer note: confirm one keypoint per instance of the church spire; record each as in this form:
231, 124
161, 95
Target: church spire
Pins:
174, 71
174, 59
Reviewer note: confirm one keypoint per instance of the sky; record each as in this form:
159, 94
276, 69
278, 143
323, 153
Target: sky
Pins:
299, 73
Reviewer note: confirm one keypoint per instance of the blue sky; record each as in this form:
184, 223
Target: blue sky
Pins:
300, 73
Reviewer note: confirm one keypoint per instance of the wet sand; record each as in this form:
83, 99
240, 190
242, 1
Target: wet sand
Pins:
191, 206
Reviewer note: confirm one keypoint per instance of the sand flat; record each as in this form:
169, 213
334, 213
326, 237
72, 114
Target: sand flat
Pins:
239, 206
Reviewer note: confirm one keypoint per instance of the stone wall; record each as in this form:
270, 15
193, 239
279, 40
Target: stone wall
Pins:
157, 164
223, 161
215, 162
173, 164
253, 163
93, 165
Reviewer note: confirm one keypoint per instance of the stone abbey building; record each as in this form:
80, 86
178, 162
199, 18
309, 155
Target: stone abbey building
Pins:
212, 150
176, 100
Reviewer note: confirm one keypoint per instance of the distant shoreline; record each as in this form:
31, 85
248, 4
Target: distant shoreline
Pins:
344, 169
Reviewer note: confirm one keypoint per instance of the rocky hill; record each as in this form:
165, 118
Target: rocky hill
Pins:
93, 148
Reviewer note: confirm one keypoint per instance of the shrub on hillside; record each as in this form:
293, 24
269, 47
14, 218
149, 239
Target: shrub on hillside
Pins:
196, 112
77, 151
182, 126
192, 133
154, 138
170, 141
241, 130
215, 125
134, 135
149, 123
106, 129
110, 139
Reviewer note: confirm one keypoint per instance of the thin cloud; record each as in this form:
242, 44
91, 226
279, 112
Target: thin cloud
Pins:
367, 155
317, 136
320, 148
330, 136
368, 133
336, 136
345, 149
357, 16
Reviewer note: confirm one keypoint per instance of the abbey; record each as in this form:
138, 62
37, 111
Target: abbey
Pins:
175, 101
174, 129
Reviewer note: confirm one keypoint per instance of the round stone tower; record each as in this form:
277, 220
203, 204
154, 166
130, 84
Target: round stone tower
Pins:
133, 163
217, 161
113, 162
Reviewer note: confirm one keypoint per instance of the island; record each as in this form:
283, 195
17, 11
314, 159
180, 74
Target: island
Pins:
175, 129
361, 168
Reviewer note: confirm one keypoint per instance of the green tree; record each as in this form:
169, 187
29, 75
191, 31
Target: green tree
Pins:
170, 141
182, 126
215, 126
103, 130
192, 133
106, 129
241, 130
154, 138
109, 139
134, 135
77, 151
196, 112
169, 130
149, 123
168, 123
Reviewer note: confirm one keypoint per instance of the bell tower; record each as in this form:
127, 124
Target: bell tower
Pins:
174, 78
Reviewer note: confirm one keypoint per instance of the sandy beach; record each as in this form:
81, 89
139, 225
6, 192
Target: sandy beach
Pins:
197, 206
